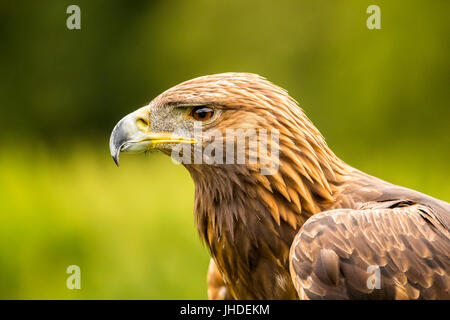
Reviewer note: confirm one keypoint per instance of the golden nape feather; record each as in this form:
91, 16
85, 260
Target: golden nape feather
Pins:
313, 228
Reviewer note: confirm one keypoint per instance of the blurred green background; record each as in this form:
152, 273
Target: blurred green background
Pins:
380, 97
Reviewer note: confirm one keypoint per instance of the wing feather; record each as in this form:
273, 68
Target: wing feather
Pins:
333, 253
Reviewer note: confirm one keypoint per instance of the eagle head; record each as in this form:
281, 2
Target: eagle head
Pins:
215, 111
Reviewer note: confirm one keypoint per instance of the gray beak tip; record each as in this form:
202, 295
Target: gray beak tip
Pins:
125, 131
116, 160
116, 141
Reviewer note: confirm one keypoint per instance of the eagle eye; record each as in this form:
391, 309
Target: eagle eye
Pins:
202, 113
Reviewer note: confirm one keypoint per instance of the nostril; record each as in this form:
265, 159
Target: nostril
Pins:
142, 123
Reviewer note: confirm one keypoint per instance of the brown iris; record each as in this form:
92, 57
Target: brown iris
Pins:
202, 113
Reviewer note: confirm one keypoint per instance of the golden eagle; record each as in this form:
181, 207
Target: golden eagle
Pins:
314, 228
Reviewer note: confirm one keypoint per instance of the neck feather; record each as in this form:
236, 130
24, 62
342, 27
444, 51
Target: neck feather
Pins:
306, 183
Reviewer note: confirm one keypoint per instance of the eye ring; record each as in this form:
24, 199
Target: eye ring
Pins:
202, 113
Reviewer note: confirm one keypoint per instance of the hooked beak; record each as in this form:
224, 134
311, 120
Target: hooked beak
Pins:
132, 134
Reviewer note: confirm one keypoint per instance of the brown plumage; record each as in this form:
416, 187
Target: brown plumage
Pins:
311, 229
